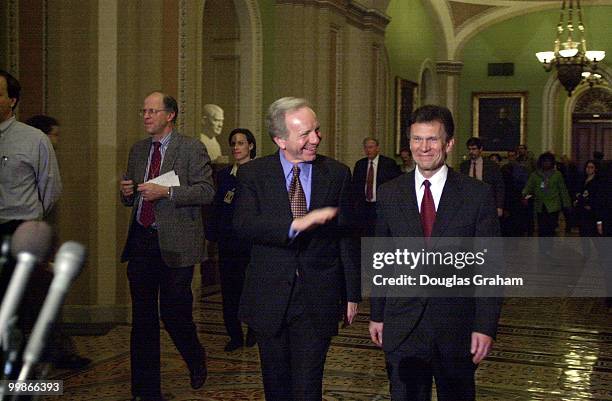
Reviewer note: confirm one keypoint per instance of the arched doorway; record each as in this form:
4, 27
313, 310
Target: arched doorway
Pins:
220, 61
592, 125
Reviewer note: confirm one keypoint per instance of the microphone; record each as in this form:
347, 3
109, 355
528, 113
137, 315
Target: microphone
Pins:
5, 252
31, 243
68, 263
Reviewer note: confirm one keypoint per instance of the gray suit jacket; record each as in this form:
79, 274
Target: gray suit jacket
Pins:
179, 221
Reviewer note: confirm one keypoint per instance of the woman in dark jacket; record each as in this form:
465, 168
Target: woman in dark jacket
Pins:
234, 254
584, 201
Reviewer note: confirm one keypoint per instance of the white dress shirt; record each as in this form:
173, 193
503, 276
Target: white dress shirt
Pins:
437, 185
374, 171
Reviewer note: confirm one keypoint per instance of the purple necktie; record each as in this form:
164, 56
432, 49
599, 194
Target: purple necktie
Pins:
147, 214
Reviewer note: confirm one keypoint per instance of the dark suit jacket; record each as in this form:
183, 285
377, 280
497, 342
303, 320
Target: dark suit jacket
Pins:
179, 221
386, 171
466, 209
326, 256
491, 174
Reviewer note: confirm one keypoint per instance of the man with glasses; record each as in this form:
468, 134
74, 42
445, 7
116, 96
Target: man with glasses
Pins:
164, 242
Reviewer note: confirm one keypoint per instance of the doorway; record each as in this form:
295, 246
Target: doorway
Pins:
589, 135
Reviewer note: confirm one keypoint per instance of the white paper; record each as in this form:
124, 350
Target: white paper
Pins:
170, 179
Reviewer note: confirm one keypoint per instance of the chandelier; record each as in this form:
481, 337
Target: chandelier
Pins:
570, 56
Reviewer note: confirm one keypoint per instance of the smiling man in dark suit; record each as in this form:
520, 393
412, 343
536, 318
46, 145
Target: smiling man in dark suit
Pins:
295, 207
443, 338
164, 242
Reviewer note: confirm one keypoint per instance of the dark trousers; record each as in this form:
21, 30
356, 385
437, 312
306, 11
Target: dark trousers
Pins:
547, 223
292, 361
366, 214
151, 279
232, 267
423, 356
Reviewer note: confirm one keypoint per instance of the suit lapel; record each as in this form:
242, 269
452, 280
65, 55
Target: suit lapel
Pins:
277, 185
450, 204
320, 184
170, 154
140, 168
409, 208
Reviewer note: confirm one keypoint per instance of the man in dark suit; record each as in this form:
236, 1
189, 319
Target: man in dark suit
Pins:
484, 170
369, 173
444, 338
164, 242
295, 207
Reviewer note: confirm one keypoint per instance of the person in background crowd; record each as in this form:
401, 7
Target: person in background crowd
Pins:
584, 201
550, 195
49, 125
407, 161
573, 182
526, 160
234, 253
495, 157
514, 220
62, 348
370, 173
601, 205
484, 170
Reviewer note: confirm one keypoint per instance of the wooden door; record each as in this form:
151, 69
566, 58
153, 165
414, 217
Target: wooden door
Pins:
589, 136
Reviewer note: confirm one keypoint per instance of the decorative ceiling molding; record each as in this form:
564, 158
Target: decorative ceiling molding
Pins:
460, 20
449, 67
595, 100
355, 13
462, 12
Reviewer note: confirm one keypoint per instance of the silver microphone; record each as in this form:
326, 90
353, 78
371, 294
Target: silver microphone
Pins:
30, 245
67, 266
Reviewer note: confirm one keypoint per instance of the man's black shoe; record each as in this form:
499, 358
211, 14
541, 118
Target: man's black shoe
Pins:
232, 346
71, 361
250, 338
198, 376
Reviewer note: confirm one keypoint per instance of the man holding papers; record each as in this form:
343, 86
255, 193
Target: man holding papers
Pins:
167, 181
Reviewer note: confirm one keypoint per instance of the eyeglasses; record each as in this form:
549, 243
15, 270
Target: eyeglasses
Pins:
152, 112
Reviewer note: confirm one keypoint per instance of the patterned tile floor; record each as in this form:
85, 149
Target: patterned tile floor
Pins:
547, 350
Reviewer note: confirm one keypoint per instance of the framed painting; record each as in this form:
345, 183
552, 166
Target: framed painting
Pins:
499, 119
406, 97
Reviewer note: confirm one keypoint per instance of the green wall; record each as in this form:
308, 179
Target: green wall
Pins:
267, 12
516, 41
411, 37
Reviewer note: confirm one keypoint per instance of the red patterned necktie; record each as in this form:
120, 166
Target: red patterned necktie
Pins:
147, 214
428, 210
370, 183
297, 198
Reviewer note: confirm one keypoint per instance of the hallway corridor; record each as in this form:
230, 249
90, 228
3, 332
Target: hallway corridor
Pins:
547, 349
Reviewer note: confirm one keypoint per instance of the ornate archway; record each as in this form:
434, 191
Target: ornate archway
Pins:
191, 22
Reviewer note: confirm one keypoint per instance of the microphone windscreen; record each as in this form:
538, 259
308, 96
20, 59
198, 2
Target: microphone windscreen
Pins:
33, 237
69, 258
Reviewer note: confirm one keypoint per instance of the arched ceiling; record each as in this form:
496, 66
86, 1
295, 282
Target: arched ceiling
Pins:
462, 19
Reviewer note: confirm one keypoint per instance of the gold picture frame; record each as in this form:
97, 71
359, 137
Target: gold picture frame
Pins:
499, 119
406, 101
